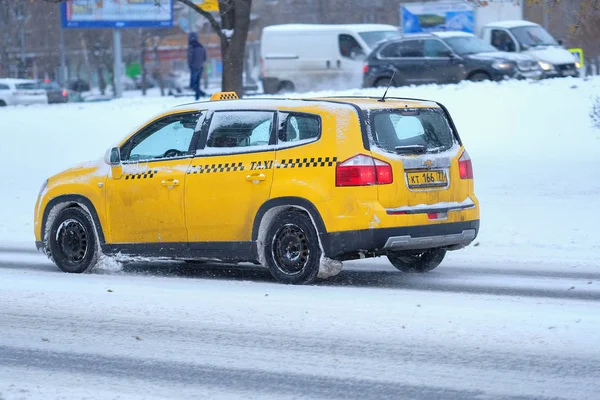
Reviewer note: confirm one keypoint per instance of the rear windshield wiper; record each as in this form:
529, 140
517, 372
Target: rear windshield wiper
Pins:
411, 149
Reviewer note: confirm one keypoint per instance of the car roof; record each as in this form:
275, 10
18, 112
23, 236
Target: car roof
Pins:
258, 103
511, 24
447, 34
332, 27
15, 81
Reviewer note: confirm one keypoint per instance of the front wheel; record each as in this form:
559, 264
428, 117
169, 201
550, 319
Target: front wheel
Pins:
72, 241
292, 252
423, 262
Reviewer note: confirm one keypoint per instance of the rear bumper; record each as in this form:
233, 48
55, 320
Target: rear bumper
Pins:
348, 244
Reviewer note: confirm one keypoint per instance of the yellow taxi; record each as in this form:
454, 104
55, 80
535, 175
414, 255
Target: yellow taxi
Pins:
297, 185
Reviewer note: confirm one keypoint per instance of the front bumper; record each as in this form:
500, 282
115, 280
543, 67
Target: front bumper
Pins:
349, 244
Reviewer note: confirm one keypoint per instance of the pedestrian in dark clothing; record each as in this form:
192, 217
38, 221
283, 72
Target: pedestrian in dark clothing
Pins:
196, 59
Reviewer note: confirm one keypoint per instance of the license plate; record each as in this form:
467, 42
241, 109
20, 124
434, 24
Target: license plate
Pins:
424, 179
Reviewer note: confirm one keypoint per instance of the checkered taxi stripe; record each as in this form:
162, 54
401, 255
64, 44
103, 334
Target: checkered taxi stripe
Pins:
207, 169
142, 175
307, 162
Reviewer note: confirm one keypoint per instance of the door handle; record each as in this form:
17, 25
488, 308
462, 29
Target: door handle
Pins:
256, 177
170, 182
328, 63
339, 64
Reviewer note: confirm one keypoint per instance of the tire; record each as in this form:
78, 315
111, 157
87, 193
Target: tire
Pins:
383, 83
291, 251
2, 103
286, 87
72, 241
480, 77
424, 262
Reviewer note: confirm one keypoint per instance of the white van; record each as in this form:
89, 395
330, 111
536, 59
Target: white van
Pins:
303, 57
530, 38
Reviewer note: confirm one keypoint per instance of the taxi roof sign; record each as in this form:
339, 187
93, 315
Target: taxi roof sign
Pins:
224, 96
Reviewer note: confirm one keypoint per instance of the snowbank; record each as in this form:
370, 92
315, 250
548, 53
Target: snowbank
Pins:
535, 153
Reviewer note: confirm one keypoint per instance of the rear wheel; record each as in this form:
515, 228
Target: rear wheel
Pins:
292, 250
286, 87
383, 82
2, 103
480, 77
423, 262
72, 241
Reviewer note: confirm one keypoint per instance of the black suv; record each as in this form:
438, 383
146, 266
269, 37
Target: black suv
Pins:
444, 57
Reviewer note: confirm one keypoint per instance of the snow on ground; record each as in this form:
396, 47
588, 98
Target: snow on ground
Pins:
515, 317
534, 151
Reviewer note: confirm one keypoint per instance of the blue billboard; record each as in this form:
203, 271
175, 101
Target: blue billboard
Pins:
437, 16
117, 14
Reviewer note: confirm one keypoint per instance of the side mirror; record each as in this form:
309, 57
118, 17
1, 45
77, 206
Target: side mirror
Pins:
113, 156
560, 42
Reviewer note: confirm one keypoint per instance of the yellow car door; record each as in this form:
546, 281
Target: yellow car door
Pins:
229, 179
145, 203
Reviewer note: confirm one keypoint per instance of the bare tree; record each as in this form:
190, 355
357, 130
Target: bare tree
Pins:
233, 33
232, 30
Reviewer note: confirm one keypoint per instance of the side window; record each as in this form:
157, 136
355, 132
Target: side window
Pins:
26, 86
166, 138
435, 49
298, 128
406, 48
349, 47
4, 87
239, 129
502, 40
412, 49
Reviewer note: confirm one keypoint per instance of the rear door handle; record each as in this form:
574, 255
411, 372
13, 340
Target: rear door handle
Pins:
256, 177
170, 182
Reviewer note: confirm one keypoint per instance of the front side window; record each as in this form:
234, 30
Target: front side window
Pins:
167, 138
502, 41
4, 87
298, 128
26, 86
239, 130
435, 49
349, 47
422, 130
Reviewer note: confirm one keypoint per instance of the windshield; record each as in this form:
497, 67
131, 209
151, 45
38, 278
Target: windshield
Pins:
424, 127
533, 36
371, 38
464, 45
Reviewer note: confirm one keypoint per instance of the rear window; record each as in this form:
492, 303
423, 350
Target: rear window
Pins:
411, 131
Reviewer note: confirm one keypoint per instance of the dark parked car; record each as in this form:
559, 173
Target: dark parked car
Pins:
444, 57
57, 94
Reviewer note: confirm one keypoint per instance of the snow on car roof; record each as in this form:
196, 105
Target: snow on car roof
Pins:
14, 80
327, 27
511, 24
448, 34
258, 103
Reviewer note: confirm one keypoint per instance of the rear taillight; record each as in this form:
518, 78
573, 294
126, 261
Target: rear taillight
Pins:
262, 67
65, 93
365, 68
362, 170
465, 166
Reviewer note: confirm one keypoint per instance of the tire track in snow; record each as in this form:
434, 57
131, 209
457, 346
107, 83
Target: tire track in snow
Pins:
495, 281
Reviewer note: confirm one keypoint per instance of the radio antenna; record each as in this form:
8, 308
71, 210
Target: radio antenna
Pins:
382, 100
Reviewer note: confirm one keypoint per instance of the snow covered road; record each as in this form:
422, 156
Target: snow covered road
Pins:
171, 330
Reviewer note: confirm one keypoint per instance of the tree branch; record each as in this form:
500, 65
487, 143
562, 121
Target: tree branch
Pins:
213, 22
